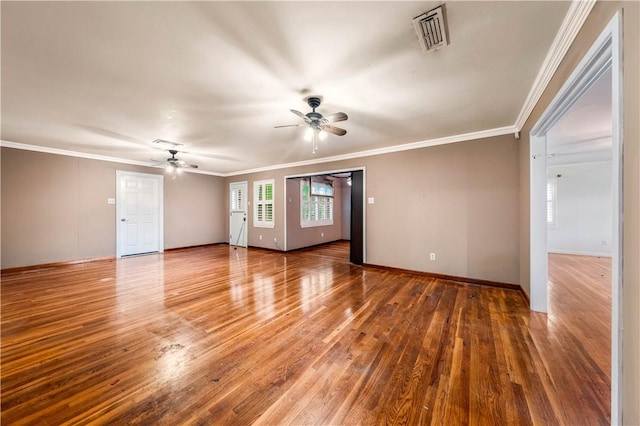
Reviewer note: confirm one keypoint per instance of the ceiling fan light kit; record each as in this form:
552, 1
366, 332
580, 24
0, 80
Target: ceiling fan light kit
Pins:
173, 165
318, 125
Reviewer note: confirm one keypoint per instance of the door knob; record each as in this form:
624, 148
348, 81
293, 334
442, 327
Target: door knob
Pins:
123, 220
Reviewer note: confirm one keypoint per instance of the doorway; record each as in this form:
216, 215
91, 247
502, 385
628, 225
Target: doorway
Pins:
353, 219
238, 214
604, 56
139, 213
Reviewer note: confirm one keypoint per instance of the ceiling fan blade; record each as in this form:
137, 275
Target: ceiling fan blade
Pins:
301, 115
182, 165
288, 125
333, 130
165, 142
334, 118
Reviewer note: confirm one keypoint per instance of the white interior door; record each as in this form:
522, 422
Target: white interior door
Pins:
238, 214
138, 213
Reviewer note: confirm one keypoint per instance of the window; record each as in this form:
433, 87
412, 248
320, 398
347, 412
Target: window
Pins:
238, 196
321, 186
551, 201
316, 209
263, 204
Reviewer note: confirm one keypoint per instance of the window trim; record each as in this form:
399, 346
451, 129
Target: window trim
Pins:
264, 202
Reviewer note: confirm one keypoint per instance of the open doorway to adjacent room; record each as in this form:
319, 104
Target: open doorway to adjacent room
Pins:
576, 212
326, 207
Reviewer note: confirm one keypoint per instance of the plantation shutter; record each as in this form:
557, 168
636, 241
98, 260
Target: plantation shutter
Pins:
264, 215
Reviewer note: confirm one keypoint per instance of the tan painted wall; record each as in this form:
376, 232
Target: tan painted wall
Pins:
54, 208
459, 201
597, 21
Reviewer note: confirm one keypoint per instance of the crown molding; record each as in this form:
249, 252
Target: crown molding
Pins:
56, 151
499, 131
574, 19
576, 15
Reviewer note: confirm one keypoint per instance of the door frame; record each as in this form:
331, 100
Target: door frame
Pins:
119, 207
356, 243
328, 172
245, 239
604, 54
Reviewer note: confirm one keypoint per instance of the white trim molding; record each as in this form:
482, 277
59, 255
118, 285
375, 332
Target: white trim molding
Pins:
499, 131
57, 151
464, 137
573, 21
605, 54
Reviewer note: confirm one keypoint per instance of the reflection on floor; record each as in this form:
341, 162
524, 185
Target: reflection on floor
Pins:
217, 335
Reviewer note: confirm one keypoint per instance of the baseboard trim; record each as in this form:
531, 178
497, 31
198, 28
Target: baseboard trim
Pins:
18, 269
27, 268
315, 246
464, 280
267, 249
193, 247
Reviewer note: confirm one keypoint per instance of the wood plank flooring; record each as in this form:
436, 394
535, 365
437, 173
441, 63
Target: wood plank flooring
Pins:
213, 335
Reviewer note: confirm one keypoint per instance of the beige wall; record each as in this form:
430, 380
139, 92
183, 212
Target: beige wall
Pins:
459, 201
598, 19
194, 210
54, 208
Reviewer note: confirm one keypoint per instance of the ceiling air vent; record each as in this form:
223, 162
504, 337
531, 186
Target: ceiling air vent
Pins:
432, 29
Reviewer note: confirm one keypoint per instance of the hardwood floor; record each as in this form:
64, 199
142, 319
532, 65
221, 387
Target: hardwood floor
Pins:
579, 319
214, 335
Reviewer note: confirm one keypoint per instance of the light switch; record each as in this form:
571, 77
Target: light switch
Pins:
370, 200
111, 200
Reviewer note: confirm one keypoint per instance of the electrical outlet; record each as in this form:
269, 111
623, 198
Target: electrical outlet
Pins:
275, 240
432, 256
605, 242
322, 234
260, 236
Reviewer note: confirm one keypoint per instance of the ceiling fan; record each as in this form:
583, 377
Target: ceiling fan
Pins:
318, 125
173, 164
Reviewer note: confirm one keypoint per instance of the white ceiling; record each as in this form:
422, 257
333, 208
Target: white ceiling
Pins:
107, 78
583, 133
